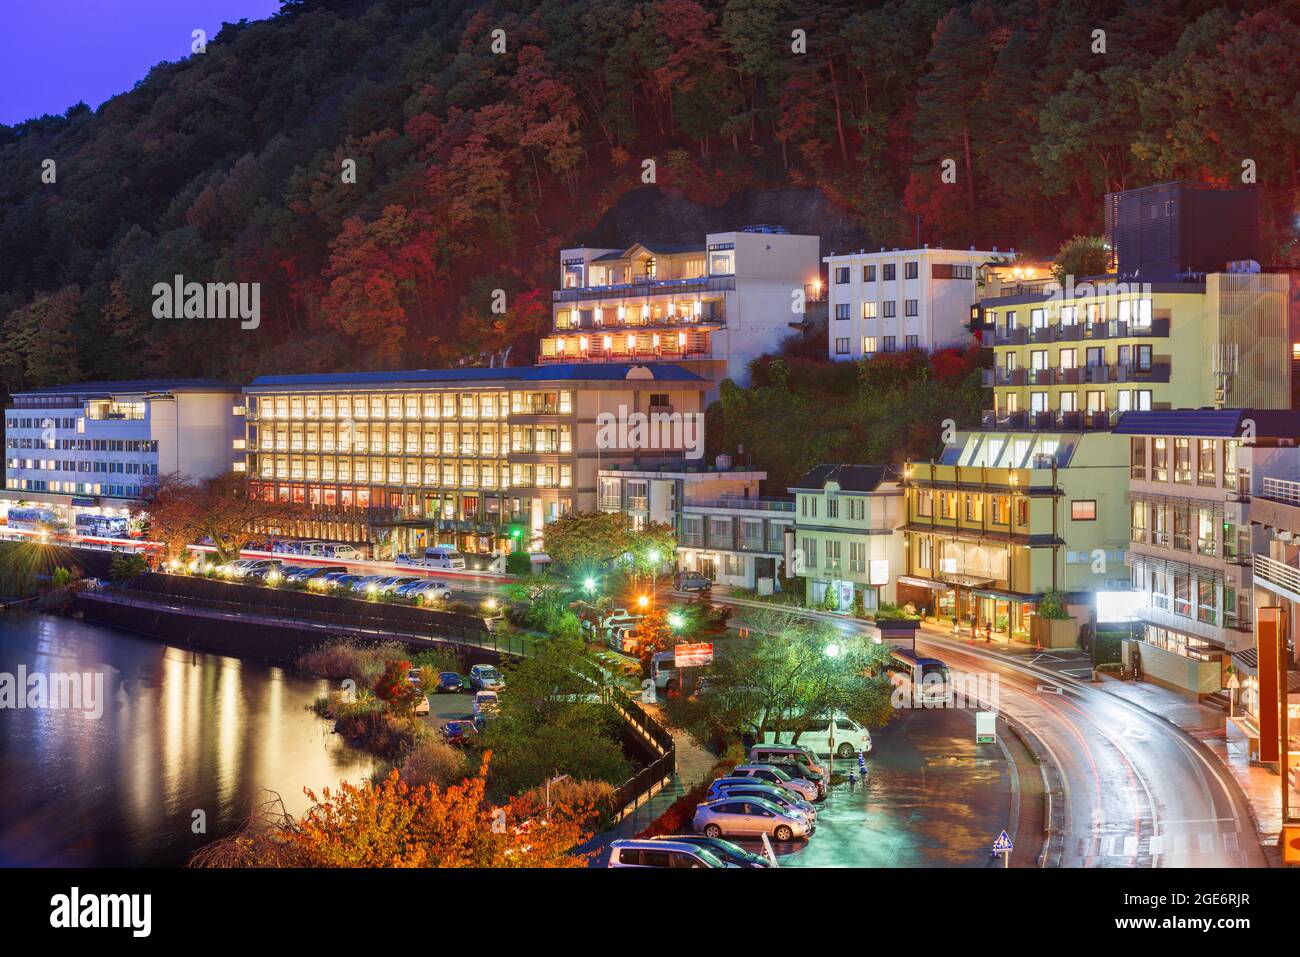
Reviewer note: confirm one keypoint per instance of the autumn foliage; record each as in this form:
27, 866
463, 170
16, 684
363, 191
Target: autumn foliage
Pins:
391, 824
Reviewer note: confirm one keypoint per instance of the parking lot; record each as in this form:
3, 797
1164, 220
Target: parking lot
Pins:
933, 797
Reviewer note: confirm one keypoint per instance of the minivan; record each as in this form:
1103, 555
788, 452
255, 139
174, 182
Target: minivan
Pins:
666, 853
443, 556
850, 737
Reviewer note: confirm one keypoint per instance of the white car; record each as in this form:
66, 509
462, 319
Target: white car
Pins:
426, 590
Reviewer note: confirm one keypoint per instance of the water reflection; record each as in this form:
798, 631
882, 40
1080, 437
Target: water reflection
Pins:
181, 731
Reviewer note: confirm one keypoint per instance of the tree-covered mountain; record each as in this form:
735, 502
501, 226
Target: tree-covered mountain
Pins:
473, 166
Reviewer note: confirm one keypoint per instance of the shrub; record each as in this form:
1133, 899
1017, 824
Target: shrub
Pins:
436, 659
436, 762
568, 626
592, 800
124, 566
1051, 607
518, 563
341, 658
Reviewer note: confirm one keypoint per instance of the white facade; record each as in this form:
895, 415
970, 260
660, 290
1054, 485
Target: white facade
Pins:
104, 443
899, 299
725, 530
712, 307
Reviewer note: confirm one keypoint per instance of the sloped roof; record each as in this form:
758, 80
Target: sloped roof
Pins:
1210, 423
850, 478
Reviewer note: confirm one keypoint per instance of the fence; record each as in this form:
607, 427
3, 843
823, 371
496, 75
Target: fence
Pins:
630, 794
344, 613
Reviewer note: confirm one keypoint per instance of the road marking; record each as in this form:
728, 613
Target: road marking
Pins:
1157, 845
1199, 820
1130, 845
1180, 844
1136, 734
1051, 689
1206, 842
1230, 842
1076, 672
1045, 657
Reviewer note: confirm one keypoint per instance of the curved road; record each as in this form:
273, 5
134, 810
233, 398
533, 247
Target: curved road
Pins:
1139, 791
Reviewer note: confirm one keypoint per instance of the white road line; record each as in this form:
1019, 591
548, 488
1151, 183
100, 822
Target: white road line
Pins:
1051, 689
1199, 820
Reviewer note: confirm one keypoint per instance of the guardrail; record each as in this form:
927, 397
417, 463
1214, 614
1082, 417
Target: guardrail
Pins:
1277, 573
1282, 490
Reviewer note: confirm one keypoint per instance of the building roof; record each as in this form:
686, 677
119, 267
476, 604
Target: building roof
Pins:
135, 385
850, 478
1211, 423
557, 372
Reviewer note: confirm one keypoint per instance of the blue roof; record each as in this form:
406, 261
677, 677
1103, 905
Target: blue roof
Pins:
557, 372
135, 385
1210, 423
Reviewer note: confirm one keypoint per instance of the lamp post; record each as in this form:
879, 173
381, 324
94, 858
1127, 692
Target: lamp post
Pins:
832, 652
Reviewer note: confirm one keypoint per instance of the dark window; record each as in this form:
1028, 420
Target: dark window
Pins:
909, 270
868, 273
888, 271
842, 274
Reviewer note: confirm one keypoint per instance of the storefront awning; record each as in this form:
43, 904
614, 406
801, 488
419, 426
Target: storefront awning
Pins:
923, 583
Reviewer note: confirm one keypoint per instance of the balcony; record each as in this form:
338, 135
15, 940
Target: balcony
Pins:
738, 502
1277, 505
1277, 576
645, 287
636, 355
1048, 421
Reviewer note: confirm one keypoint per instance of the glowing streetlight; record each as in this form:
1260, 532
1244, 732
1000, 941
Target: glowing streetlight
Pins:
642, 601
654, 557
589, 585
676, 621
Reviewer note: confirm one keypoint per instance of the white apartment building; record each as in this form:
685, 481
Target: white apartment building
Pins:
899, 299
96, 446
711, 307
725, 530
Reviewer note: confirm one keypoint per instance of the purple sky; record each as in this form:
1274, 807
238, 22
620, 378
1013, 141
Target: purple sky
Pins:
56, 52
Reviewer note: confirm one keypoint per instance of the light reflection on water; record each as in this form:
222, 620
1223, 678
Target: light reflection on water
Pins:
181, 731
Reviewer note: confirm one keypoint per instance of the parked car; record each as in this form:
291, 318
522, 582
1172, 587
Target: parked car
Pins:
387, 584
691, 581
485, 678
425, 590
449, 683
850, 737
236, 568
486, 704
666, 853
774, 775
800, 772
348, 581
307, 573
459, 731
283, 573
619, 618
784, 754
260, 568
749, 787
749, 817
724, 851
368, 584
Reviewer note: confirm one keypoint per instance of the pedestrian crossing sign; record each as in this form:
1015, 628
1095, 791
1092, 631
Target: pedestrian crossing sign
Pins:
1003, 844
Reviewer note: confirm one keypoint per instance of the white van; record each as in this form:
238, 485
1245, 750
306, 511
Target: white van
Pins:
663, 669
443, 556
341, 551
850, 737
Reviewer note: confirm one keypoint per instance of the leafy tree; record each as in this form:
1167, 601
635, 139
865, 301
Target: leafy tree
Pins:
394, 689
580, 538
180, 512
1079, 257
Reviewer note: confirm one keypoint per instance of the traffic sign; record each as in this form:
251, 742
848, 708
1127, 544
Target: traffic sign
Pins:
693, 655
986, 727
1003, 844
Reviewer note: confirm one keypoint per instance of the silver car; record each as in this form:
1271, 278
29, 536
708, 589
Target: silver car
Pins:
747, 787
749, 817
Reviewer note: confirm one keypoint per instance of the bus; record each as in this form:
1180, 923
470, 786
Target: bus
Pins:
34, 520
926, 681
101, 526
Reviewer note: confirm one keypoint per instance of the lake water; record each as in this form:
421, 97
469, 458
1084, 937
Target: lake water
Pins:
181, 731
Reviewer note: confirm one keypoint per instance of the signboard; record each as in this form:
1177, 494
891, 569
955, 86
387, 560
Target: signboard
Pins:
1003, 844
1291, 844
693, 655
880, 571
986, 729
1270, 633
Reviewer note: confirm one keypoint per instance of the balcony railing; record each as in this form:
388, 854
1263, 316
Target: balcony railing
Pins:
648, 355
1075, 332
1282, 490
645, 287
1049, 421
1277, 573
763, 504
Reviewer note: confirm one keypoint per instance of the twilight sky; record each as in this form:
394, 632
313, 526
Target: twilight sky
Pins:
56, 52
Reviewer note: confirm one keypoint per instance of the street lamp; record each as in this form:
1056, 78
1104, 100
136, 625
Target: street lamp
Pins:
832, 652
676, 621
589, 585
642, 601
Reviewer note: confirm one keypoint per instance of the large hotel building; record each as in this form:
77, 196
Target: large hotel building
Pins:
473, 457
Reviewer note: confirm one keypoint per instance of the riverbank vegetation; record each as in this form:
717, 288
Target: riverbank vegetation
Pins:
394, 824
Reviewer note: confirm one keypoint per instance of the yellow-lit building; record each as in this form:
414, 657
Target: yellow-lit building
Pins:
468, 457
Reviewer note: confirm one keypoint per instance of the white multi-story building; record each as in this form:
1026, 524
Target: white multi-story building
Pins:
899, 299
95, 447
725, 530
711, 307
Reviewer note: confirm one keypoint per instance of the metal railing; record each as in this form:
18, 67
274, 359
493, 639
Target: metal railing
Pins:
645, 287
759, 504
1277, 573
1281, 490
